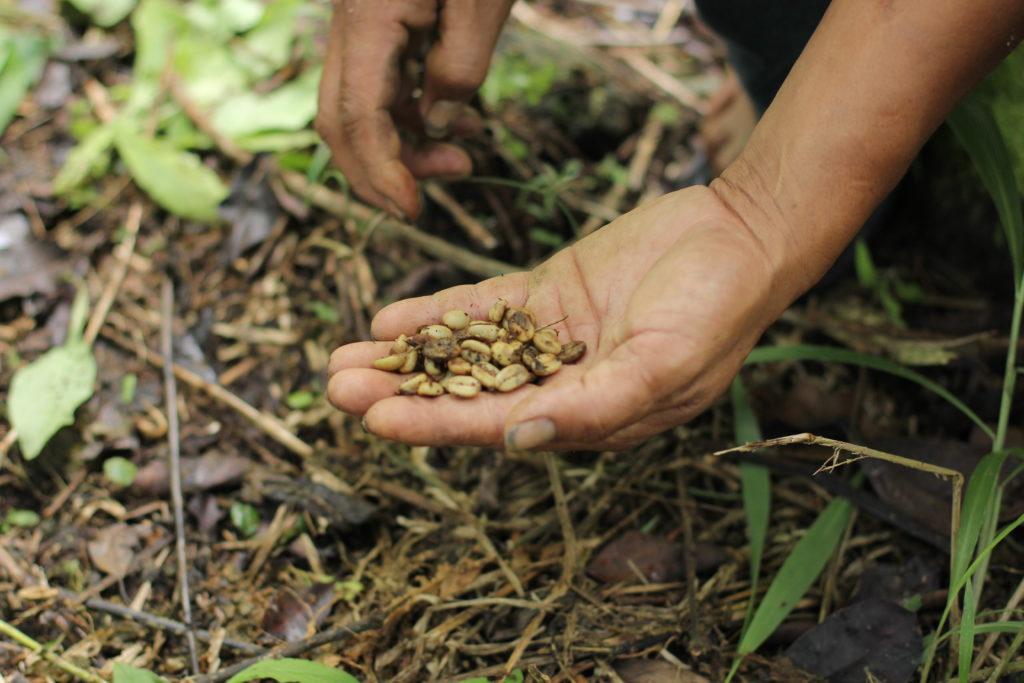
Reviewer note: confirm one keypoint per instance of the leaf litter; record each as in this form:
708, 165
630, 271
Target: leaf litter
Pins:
412, 563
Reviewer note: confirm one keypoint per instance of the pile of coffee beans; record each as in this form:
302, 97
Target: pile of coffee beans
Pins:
463, 357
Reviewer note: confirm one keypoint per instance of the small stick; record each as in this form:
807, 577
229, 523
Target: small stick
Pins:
48, 655
570, 557
472, 227
660, 79
124, 256
334, 635
265, 422
171, 397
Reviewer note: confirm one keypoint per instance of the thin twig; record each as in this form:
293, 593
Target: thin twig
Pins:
471, 226
335, 635
123, 253
48, 655
334, 203
177, 501
265, 422
570, 556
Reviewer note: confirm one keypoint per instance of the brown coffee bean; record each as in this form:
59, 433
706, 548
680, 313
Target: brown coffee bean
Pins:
520, 323
456, 319
546, 341
410, 385
463, 386
512, 377
486, 374
528, 355
441, 349
430, 388
459, 366
497, 312
572, 351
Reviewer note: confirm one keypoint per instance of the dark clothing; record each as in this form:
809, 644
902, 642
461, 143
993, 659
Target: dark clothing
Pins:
763, 37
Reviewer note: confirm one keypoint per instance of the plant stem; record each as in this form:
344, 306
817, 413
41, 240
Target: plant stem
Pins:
41, 650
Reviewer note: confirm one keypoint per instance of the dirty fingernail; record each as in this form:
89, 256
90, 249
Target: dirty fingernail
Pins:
441, 116
530, 434
395, 212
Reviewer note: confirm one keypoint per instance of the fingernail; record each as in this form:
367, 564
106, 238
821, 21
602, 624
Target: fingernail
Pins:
441, 117
395, 212
365, 428
529, 434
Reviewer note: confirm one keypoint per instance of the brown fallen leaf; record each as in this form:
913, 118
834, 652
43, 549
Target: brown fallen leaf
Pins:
293, 615
113, 549
210, 471
637, 556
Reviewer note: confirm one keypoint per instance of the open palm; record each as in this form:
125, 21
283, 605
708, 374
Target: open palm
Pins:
669, 299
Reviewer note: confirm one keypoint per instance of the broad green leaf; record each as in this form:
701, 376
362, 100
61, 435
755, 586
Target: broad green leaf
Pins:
980, 489
45, 394
293, 671
798, 572
973, 124
26, 519
175, 179
156, 25
120, 470
270, 42
130, 674
245, 518
289, 108
90, 155
278, 142
767, 354
22, 58
105, 12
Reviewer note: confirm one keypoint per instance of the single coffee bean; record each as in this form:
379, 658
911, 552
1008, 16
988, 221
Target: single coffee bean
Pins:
463, 386
455, 320
512, 377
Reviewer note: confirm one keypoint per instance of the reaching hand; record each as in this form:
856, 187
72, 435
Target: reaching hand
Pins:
367, 91
669, 298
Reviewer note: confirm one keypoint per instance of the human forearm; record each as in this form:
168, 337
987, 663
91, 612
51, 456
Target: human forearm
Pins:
874, 82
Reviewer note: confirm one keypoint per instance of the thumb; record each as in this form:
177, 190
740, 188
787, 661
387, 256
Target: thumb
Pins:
584, 406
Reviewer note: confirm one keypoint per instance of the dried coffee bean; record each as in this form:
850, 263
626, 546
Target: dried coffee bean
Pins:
546, 341
463, 386
520, 323
497, 312
475, 351
486, 374
400, 345
455, 320
441, 349
459, 366
545, 364
433, 367
506, 353
436, 331
528, 355
390, 363
486, 331
412, 356
572, 351
430, 388
512, 377
410, 385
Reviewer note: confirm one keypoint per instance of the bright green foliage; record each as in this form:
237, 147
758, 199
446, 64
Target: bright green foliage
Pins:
299, 400
105, 12
25, 519
1003, 92
89, 159
292, 671
130, 674
175, 179
22, 58
120, 470
245, 518
514, 76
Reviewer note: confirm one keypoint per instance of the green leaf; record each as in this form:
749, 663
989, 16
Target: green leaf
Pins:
26, 519
156, 25
973, 124
299, 400
22, 58
105, 12
92, 154
270, 42
245, 518
768, 354
289, 108
967, 634
120, 470
175, 179
980, 489
798, 572
129, 674
293, 671
45, 394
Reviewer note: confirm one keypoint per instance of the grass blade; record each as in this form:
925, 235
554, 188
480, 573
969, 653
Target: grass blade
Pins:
967, 634
798, 572
767, 354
